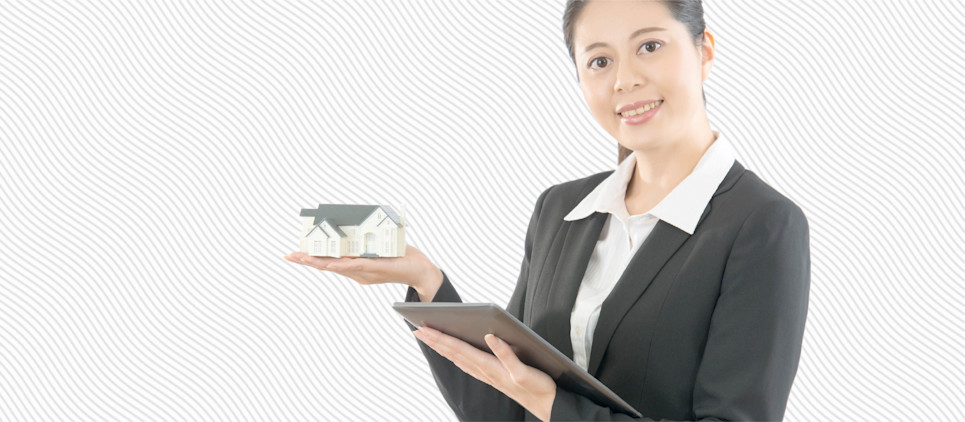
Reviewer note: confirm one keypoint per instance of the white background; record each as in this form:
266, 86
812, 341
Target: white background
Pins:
155, 156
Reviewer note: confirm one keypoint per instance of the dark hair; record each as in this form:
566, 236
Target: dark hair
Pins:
688, 12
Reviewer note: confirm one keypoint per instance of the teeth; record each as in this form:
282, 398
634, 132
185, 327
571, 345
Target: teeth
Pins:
643, 109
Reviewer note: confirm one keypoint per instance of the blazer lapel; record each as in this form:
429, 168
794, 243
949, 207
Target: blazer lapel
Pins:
656, 250
578, 244
660, 245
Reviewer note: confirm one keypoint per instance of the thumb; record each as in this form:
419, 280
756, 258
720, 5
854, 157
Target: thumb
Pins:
507, 356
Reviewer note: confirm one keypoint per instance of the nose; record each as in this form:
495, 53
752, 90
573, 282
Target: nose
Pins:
628, 76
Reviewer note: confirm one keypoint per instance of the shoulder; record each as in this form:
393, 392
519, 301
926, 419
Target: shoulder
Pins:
758, 203
769, 250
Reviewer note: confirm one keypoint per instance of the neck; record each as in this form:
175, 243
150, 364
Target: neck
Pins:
663, 168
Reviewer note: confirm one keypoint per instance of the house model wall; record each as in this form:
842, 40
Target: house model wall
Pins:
341, 230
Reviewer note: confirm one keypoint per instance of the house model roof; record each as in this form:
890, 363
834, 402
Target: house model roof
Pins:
346, 215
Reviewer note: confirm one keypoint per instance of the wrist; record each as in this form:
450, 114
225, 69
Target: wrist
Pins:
428, 283
545, 407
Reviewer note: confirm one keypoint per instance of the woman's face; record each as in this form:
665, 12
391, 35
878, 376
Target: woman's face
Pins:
624, 65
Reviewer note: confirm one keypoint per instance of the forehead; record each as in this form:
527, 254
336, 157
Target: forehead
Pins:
613, 21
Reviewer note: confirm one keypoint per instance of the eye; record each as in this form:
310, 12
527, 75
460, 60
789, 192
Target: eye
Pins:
651, 43
642, 46
597, 60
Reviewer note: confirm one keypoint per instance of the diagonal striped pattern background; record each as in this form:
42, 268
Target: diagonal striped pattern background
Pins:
154, 157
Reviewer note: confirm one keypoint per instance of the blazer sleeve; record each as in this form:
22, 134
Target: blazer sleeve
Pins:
468, 397
756, 330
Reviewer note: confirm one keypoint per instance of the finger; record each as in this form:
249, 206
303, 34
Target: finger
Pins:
456, 358
442, 350
343, 265
470, 368
507, 357
486, 366
445, 344
467, 367
298, 255
362, 274
354, 264
307, 261
317, 261
464, 369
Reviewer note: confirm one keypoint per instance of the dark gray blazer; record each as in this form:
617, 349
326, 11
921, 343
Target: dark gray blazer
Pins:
702, 326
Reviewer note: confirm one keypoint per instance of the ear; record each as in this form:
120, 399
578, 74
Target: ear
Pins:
707, 55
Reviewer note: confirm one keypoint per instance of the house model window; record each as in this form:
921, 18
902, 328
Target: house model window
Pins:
342, 230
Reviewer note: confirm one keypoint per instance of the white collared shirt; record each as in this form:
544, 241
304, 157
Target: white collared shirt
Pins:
623, 234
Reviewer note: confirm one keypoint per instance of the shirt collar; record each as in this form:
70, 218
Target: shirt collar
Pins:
682, 207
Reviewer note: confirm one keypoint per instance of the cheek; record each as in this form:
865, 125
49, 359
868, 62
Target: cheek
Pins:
688, 82
597, 100
676, 76
605, 114
593, 99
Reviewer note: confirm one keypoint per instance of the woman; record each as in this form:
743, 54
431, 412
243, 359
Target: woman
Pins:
679, 279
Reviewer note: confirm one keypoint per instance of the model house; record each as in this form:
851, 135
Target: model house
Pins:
341, 230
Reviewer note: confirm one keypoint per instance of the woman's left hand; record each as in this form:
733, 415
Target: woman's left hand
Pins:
530, 387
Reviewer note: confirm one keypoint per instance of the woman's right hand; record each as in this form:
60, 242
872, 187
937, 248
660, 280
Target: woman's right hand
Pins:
414, 269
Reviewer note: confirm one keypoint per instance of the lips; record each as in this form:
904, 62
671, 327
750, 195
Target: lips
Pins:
641, 118
636, 105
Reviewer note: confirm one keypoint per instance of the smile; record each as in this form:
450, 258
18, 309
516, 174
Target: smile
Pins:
640, 115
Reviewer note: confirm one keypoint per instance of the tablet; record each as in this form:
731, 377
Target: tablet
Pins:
472, 321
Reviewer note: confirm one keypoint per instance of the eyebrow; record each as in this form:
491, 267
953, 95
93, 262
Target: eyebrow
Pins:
632, 36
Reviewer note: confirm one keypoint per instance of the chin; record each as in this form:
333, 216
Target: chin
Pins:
639, 142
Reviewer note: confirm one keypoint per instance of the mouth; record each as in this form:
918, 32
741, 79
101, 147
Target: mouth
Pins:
640, 110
